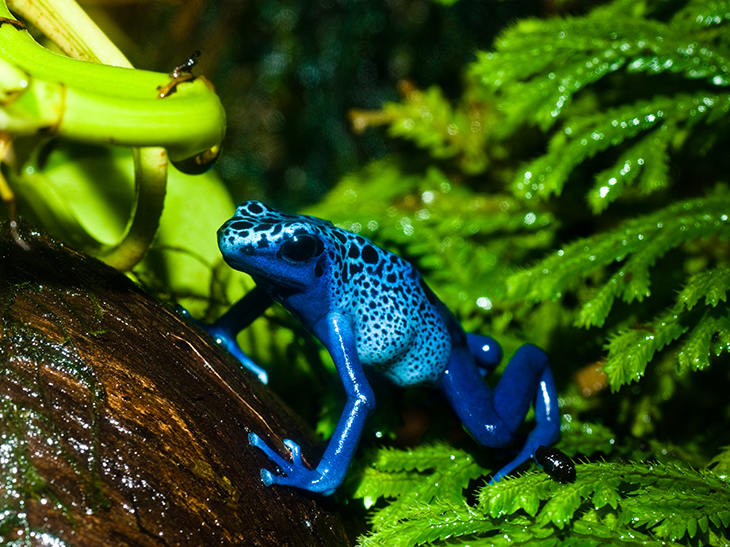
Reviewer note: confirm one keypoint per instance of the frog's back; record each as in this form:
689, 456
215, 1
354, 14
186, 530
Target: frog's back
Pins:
399, 326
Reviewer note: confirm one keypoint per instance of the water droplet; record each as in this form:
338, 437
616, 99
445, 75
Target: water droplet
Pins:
484, 303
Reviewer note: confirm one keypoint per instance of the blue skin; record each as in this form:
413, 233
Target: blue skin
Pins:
371, 308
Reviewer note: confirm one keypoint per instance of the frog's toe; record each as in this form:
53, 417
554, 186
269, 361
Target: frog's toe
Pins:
296, 452
286, 466
267, 477
255, 440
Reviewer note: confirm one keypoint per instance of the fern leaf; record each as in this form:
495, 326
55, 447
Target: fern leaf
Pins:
424, 524
376, 484
712, 284
427, 119
707, 328
647, 159
585, 438
594, 311
720, 464
586, 136
422, 474
631, 350
559, 58
434, 456
674, 500
714, 326
643, 240
626, 504
702, 14
512, 494
539, 66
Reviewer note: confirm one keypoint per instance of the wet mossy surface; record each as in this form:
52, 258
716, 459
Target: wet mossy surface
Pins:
121, 424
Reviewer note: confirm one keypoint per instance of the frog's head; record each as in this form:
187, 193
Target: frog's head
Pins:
274, 248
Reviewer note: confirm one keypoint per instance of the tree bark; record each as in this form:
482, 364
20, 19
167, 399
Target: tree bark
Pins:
123, 425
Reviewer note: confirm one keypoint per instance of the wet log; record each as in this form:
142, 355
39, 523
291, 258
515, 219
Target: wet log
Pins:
121, 424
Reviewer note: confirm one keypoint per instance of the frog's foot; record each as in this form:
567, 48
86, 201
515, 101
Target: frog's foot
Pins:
524, 455
545, 433
554, 462
295, 472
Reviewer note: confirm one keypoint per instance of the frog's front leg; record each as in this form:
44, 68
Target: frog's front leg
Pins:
337, 334
239, 316
492, 416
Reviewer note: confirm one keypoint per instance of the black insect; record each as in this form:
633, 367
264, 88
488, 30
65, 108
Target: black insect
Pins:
555, 463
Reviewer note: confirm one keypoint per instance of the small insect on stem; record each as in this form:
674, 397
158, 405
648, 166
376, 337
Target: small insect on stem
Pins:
187, 66
180, 74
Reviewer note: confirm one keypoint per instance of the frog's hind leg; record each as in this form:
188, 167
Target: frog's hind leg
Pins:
493, 415
486, 352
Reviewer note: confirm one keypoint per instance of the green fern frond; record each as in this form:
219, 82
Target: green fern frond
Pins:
707, 329
633, 247
647, 160
418, 475
631, 350
611, 503
376, 484
674, 501
710, 335
427, 119
712, 284
539, 67
558, 58
586, 136
720, 464
703, 14
512, 494
422, 524
585, 438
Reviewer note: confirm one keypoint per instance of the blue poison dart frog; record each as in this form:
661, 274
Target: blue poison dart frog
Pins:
370, 308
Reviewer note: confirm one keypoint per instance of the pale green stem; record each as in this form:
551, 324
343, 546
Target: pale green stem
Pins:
71, 29
100, 104
150, 178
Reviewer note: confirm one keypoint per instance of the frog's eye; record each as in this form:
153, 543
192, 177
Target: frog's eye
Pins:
301, 248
